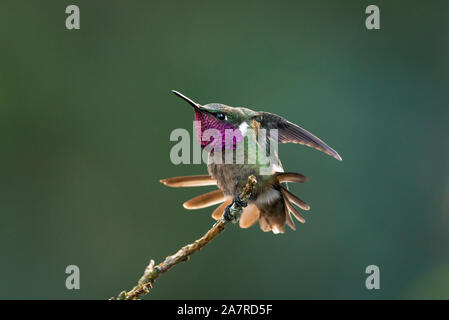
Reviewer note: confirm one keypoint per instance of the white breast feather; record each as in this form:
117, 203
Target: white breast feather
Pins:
243, 127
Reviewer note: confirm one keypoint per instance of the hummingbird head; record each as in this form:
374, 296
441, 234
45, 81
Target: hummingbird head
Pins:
218, 117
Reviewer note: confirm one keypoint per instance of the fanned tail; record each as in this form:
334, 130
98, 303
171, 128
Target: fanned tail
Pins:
271, 216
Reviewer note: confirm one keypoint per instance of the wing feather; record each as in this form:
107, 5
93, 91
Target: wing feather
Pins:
289, 132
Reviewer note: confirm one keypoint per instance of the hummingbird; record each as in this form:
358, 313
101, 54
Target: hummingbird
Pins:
270, 203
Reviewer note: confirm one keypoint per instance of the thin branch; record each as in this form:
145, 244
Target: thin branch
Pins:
153, 272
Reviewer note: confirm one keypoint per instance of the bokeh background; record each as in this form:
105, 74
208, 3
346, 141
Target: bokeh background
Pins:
85, 119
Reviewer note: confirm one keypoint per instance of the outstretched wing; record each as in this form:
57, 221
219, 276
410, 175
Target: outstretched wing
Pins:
291, 133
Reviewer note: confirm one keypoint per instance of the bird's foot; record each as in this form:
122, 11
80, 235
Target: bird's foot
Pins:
234, 210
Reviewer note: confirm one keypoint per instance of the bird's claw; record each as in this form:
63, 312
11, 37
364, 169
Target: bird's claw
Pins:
240, 202
228, 215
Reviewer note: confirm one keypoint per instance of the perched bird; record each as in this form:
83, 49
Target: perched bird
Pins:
270, 203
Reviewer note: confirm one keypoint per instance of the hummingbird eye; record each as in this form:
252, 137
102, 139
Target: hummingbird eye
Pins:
221, 116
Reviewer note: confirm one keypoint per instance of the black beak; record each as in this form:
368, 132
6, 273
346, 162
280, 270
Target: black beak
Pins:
190, 101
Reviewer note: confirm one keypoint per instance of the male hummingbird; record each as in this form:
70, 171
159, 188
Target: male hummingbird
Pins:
270, 202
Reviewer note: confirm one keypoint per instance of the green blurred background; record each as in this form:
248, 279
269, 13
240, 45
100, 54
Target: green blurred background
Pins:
85, 119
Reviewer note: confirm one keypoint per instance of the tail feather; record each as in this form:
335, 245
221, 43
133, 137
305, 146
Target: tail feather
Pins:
272, 216
291, 208
249, 216
289, 219
189, 181
292, 198
265, 226
290, 177
205, 200
218, 212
